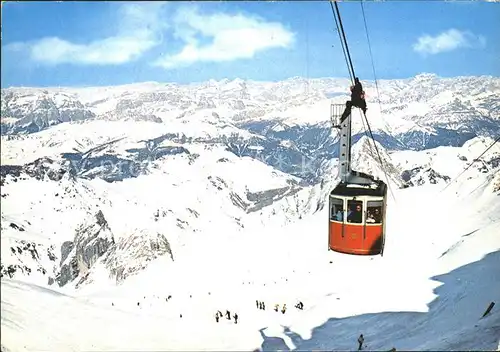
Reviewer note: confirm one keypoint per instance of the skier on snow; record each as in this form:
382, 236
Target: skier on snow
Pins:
283, 310
361, 340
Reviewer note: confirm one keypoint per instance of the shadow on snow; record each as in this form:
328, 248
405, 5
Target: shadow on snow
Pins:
452, 322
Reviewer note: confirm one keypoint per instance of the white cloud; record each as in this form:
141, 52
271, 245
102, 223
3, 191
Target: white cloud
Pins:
216, 37
139, 30
231, 37
449, 40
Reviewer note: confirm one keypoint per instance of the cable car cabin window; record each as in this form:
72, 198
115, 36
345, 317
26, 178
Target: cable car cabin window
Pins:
336, 209
355, 211
374, 212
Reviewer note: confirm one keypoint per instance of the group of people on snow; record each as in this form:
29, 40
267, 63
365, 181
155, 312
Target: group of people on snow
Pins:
261, 305
219, 315
277, 308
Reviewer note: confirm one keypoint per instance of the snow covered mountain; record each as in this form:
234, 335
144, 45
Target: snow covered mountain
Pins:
285, 123
199, 147
417, 113
169, 188
110, 188
176, 266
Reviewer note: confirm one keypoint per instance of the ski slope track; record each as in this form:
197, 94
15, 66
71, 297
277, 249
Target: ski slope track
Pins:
134, 213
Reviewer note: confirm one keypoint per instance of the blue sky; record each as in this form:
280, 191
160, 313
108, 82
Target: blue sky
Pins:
107, 43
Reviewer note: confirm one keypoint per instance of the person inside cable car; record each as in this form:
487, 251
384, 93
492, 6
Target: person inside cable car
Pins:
355, 214
377, 215
370, 218
339, 215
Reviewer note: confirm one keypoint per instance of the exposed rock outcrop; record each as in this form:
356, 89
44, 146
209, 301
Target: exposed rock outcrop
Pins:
92, 241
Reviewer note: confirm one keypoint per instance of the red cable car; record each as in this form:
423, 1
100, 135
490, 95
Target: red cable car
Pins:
357, 204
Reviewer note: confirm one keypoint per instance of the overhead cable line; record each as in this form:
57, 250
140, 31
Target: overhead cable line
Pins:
351, 74
350, 65
472, 163
371, 55
378, 94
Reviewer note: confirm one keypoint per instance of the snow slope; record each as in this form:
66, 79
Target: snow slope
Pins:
427, 292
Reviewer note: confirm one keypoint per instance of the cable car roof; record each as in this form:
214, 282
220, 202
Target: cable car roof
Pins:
350, 190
